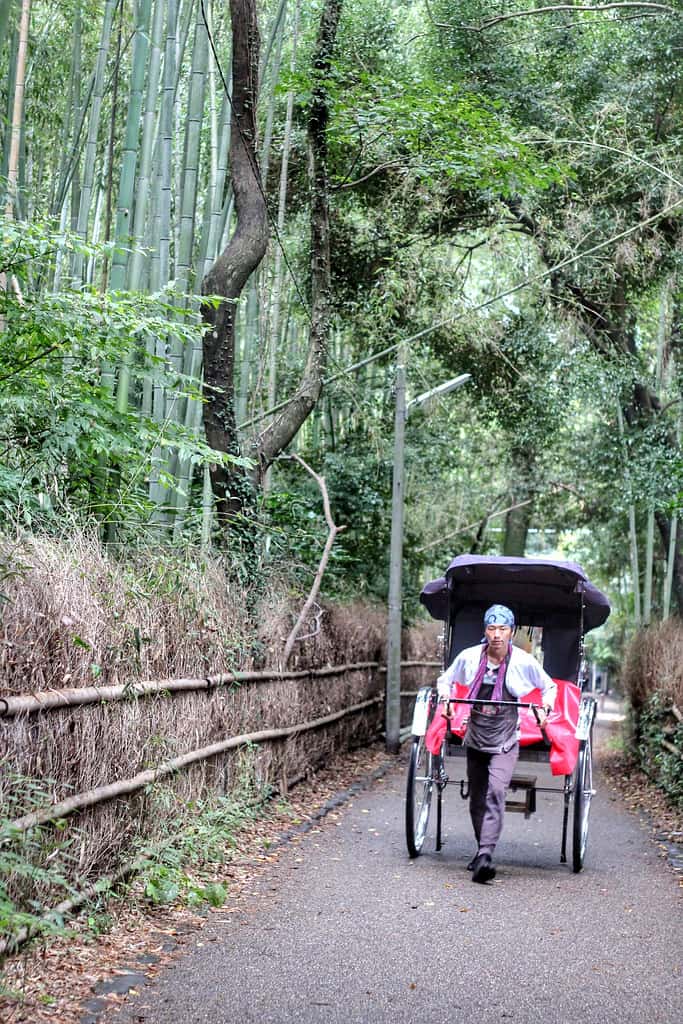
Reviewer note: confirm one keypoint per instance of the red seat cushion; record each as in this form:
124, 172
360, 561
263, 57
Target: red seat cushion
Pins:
560, 728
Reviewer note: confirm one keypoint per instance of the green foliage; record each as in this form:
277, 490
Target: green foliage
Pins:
436, 133
664, 765
199, 836
62, 433
359, 487
35, 865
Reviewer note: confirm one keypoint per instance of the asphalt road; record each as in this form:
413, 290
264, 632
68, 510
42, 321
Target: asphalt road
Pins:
345, 928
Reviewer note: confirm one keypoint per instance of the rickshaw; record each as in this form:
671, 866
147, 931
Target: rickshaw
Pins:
555, 605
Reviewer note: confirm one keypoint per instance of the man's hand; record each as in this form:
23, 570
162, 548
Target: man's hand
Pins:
542, 715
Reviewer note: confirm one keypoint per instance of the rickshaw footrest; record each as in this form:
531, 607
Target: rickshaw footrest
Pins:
527, 805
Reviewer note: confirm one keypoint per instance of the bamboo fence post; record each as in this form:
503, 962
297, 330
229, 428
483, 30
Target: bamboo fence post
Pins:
69, 697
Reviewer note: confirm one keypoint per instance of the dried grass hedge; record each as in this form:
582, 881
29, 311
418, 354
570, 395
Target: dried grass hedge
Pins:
73, 616
654, 664
653, 680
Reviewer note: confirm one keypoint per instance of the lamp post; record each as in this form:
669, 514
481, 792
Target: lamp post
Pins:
402, 411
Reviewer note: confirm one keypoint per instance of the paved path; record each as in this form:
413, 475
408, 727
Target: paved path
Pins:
346, 929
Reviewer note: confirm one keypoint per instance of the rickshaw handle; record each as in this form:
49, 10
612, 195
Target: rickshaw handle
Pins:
504, 703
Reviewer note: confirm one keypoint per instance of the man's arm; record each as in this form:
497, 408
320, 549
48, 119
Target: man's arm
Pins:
453, 674
546, 685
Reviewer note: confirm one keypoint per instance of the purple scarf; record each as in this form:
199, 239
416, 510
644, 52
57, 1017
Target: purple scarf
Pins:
481, 672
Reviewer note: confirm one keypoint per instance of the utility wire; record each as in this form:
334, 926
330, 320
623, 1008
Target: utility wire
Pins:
535, 278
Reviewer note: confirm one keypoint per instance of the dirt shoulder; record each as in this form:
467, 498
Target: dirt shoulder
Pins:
74, 979
640, 795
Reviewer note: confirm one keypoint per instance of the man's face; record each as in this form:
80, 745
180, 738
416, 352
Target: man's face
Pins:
498, 638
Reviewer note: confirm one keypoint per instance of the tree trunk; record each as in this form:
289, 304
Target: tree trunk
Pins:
285, 427
519, 516
242, 255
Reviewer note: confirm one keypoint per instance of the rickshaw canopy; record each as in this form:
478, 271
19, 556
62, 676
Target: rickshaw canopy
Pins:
554, 595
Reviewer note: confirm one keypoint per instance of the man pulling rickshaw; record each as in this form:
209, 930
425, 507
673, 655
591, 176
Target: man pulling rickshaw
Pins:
495, 703
493, 671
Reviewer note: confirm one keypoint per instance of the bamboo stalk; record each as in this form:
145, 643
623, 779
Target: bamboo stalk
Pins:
123, 787
166, 143
277, 35
129, 158
149, 129
190, 169
188, 358
15, 132
88, 179
207, 509
276, 296
17, 110
47, 700
10, 85
671, 553
6, 14
633, 534
107, 376
213, 229
649, 566
161, 261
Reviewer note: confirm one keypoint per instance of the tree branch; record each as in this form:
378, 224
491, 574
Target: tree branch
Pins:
569, 9
334, 530
370, 174
437, 24
281, 430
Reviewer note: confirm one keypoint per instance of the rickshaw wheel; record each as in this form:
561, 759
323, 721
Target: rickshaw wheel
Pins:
583, 794
418, 796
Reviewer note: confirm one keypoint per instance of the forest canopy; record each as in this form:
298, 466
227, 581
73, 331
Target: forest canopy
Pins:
224, 222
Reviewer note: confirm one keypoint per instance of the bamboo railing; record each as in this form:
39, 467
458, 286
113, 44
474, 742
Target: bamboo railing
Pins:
46, 700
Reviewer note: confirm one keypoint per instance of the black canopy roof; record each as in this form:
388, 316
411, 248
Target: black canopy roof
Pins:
540, 591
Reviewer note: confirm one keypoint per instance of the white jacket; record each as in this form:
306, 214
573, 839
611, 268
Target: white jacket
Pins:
524, 673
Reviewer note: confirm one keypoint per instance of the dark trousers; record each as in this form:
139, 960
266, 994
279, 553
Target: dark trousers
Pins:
489, 777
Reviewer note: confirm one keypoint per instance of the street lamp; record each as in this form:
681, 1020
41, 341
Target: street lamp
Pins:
393, 685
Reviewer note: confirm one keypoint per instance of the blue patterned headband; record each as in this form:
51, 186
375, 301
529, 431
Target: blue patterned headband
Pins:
499, 615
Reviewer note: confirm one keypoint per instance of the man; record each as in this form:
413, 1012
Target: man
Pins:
493, 670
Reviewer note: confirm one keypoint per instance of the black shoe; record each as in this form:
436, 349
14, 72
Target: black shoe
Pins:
470, 866
482, 869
